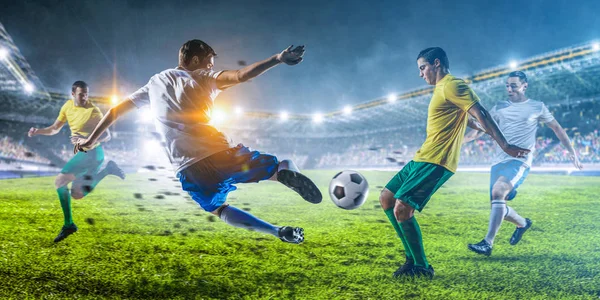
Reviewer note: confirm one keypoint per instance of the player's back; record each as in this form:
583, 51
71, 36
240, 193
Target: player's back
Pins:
181, 103
182, 96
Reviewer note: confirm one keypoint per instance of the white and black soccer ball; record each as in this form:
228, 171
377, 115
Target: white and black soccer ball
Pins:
348, 189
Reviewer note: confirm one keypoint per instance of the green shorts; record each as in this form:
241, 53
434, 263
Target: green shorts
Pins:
417, 182
83, 164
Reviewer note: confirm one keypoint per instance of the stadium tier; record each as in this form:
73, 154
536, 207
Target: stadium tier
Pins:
567, 80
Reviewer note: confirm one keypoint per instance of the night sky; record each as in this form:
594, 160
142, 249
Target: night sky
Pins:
356, 50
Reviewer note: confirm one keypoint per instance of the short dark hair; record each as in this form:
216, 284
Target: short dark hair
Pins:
78, 84
430, 54
519, 74
193, 48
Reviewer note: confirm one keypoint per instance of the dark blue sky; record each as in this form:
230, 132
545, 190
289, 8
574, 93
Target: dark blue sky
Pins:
356, 50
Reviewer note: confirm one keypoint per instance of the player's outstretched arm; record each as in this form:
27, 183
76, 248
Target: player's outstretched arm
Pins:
288, 56
565, 141
111, 116
490, 126
50, 130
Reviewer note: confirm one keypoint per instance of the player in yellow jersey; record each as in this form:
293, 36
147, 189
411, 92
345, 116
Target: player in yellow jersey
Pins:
437, 159
83, 170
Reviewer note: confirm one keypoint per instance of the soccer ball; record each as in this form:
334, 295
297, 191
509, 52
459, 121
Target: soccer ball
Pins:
348, 189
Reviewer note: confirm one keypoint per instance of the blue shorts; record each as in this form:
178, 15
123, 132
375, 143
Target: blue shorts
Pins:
210, 180
514, 170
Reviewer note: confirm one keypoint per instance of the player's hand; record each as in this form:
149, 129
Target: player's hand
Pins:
82, 145
576, 161
516, 151
76, 138
32, 131
291, 56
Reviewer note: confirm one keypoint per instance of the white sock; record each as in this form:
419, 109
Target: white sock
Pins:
239, 218
496, 216
513, 217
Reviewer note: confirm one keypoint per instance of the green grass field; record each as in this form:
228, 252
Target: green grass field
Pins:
163, 246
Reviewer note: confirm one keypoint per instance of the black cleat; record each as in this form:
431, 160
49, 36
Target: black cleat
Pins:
482, 247
65, 232
518, 234
408, 264
416, 271
113, 169
301, 185
294, 235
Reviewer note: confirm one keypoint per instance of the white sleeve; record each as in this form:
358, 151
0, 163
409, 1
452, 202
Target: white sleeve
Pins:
494, 113
545, 115
141, 97
207, 78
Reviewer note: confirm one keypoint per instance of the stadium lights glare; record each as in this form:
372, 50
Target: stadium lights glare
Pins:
513, 64
145, 115
317, 118
28, 87
217, 117
151, 145
596, 46
239, 111
347, 109
283, 116
392, 98
114, 99
3, 53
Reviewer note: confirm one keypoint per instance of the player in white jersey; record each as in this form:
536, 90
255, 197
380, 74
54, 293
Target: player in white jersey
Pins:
518, 118
206, 161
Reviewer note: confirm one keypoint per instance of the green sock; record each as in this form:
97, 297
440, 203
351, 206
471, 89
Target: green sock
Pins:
414, 239
65, 203
390, 214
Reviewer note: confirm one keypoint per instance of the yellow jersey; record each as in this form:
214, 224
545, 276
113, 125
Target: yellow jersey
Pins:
82, 120
447, 118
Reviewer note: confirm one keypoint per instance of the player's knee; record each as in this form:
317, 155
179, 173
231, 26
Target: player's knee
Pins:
77, 194
499, 192
217, 212
59, 182
386, 199
402, 211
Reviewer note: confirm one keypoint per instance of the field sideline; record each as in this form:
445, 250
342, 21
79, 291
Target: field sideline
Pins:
161, 245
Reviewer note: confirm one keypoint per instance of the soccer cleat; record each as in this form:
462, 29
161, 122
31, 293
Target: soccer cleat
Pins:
301, 185
65, 232
294, 235
416, 271
113, 169
408, 264
482, 247
518, 234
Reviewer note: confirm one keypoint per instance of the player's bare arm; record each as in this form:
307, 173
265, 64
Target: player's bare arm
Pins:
288, 56
111, 116
565, 141
490, 126
50, 130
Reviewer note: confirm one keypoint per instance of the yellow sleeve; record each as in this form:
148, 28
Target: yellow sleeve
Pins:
62, 115
99, 112
460, 94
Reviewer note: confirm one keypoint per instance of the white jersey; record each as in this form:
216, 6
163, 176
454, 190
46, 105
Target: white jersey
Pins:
181, 102
519, 123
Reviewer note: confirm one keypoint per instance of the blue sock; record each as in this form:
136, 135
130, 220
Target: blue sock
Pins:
239, 218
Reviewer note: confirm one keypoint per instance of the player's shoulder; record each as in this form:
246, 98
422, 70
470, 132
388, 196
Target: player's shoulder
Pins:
453, 82
536, 103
